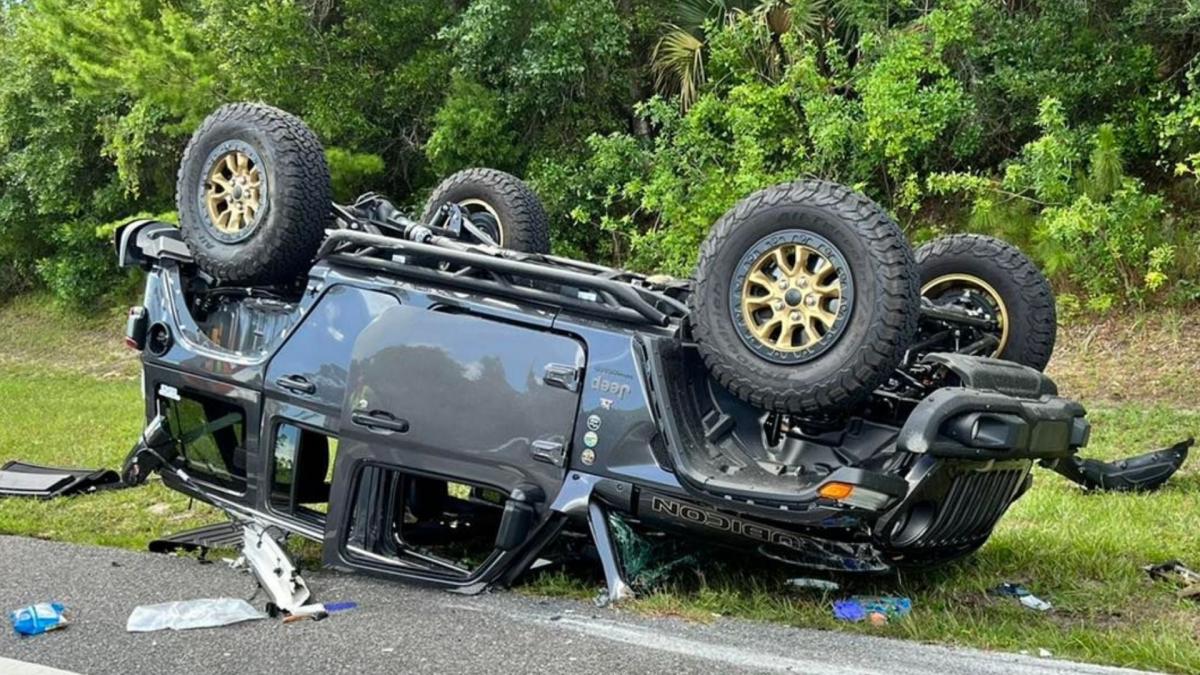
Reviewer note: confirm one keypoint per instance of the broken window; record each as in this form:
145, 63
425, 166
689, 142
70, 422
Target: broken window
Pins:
302, 471
211, 435
417, 521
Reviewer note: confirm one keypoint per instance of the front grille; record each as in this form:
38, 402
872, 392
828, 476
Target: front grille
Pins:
971, 508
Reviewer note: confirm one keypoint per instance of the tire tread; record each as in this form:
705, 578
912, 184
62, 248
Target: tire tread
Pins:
894, 317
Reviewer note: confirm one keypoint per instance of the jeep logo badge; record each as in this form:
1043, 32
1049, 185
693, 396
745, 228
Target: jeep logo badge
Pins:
615, 389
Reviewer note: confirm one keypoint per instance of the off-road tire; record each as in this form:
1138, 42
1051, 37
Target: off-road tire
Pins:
882, 317
522, 217
1033, 321
296, 211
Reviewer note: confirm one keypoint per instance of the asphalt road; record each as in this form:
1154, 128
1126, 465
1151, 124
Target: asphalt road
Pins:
399, 628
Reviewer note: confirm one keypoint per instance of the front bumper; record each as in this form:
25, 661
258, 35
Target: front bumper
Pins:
1002, 411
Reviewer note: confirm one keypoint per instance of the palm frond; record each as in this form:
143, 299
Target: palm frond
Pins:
678, 64
807, 16
692, 14
784, 16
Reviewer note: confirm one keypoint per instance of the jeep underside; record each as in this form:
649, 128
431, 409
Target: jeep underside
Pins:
440, 414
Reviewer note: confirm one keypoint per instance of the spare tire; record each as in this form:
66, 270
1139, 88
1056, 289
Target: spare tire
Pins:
806, 298
499, 204
254, 195
988, 275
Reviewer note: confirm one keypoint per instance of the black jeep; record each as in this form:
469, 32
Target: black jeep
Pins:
436, 399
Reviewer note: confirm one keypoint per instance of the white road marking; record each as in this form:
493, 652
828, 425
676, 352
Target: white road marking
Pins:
14, 667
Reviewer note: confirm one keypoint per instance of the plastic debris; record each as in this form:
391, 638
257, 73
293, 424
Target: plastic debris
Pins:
1035, 603
879, 610
182, 615
647, 561
1179, 574
816, 584
848, 610
1044, 653
39, 618
273, 568
315, 611
315, 616
1011, 590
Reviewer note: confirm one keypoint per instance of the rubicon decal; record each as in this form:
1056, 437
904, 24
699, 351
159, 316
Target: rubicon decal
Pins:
691, 513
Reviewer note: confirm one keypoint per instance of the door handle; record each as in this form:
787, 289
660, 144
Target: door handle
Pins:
380, 419
296, 383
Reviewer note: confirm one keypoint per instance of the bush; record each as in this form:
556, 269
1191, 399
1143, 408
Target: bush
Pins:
1070, 128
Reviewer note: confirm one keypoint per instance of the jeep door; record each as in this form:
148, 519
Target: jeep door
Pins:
446, 415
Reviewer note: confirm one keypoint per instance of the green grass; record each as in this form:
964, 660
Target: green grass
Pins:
74, 421
69, 396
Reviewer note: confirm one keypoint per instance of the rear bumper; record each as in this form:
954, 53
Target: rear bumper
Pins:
931, 489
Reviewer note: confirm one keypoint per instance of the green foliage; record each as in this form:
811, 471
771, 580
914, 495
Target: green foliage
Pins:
472, 128
353, 172
1071, 129
1093, 225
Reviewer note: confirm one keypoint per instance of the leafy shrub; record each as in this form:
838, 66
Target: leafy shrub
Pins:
1091, 223
352, 172
472, 128
1070, 128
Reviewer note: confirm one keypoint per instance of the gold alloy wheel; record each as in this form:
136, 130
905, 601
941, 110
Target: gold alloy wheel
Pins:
233, 192
790, 298
949, 283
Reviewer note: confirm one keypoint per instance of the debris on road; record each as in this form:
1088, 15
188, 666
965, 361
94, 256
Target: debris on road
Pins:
315, 616
879, 610
39, 618
1022, 594
1175, 572
333, 607
273, 568
186, 614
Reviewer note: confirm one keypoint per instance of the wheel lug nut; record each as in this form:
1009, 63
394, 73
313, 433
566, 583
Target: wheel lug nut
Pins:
801, 282
778, 305
783, 283
795, 316
811, 301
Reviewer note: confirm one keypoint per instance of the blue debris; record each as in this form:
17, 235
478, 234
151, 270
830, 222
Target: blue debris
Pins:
877, 609
848, 610
39, 618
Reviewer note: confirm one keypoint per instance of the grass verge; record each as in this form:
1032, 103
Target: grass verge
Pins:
69, 396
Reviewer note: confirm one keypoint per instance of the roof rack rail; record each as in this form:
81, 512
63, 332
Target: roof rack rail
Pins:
583, 287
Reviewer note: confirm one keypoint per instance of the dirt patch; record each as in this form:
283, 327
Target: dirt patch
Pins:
1148, 357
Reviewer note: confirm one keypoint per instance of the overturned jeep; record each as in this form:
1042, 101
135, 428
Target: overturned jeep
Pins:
436, 399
